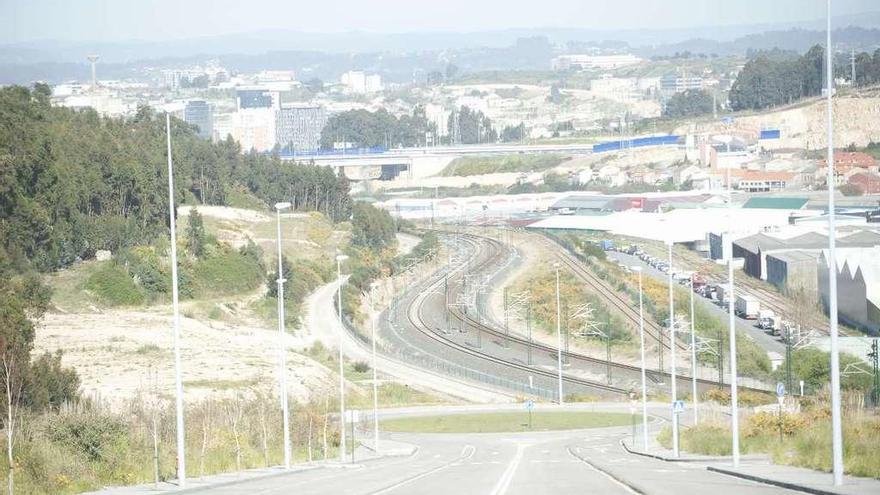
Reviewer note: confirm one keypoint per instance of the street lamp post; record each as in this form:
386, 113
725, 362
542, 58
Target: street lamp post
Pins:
836, 427
731, 323
672, 371
339, 259
638, 270
693, 355
178, 382
375, 378
558, 335
282, 351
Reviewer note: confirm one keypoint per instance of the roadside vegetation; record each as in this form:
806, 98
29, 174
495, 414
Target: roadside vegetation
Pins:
805, 440
506, 422
479, 165
752, 360
82, 446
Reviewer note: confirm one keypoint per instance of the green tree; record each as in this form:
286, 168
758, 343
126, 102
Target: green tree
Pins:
372, 228
195, 234
689, 103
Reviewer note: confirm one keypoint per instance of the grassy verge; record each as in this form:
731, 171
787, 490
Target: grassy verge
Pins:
479, 165
505, 422
805, 440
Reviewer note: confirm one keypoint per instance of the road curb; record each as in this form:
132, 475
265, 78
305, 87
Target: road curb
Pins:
633, 488
672, 459
769, 481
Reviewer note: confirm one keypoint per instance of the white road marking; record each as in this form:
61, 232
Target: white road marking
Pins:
466, 453
504, 482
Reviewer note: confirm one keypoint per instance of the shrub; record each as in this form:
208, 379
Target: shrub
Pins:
360, 367
114, 286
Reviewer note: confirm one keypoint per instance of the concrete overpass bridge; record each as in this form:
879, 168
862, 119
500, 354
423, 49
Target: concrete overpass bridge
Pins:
420, 162
414, 163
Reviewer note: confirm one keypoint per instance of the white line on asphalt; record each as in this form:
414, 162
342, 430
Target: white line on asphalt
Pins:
466, 453
603, 473
507, 477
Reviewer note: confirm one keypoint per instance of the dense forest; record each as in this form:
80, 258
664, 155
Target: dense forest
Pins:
72, 182
776, 77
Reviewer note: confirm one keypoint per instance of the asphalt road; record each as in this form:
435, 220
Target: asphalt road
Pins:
582, 462
764, 340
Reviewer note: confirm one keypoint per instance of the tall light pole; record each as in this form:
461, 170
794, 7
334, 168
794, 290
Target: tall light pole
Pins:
175, 300
375, 379
282, 351
731, 324
339, 259
836, 433
672, 354
693, 355
558, 335
638, 270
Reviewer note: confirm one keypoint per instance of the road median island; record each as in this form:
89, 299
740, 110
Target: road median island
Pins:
508, 421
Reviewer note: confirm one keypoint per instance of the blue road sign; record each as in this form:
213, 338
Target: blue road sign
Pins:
780, 389
678, 407
530, 405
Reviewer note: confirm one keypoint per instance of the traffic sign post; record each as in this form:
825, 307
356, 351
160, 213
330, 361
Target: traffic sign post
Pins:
677, 409
529, 405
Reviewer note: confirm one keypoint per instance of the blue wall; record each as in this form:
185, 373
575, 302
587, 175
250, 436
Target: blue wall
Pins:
635, 143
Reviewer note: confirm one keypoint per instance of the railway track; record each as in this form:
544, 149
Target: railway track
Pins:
417, 320
617, 368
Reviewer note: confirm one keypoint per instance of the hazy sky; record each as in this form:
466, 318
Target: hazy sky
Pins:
118, 20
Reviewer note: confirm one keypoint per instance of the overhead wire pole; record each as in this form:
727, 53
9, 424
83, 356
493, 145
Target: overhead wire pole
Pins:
836, 429
638, 270
175, 299
693, 355
558, 335
734, 405
282, 352
672, 370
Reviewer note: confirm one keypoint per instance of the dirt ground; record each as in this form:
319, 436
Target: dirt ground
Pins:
115, 350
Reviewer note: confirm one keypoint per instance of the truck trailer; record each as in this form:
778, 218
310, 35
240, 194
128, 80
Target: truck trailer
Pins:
747, 307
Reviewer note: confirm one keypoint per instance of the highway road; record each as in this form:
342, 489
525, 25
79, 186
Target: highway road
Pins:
528, 463
766, 341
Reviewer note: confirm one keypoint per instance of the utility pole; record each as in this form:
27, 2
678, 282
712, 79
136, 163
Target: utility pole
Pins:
178, 383
875, 356
339, 259
836, 424
506, 324
558, 336
529, 329
282, 350
672, 370
731, 324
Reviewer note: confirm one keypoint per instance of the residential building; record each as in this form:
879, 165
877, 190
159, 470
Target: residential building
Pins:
583, 62
298, 128
200, 114
254, 128
867, 182
671, 84
359, 82
758, 181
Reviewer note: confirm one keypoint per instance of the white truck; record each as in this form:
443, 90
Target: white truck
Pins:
747, 307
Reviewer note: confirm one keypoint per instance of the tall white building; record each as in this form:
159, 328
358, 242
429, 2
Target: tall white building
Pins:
359, 82
298, 127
